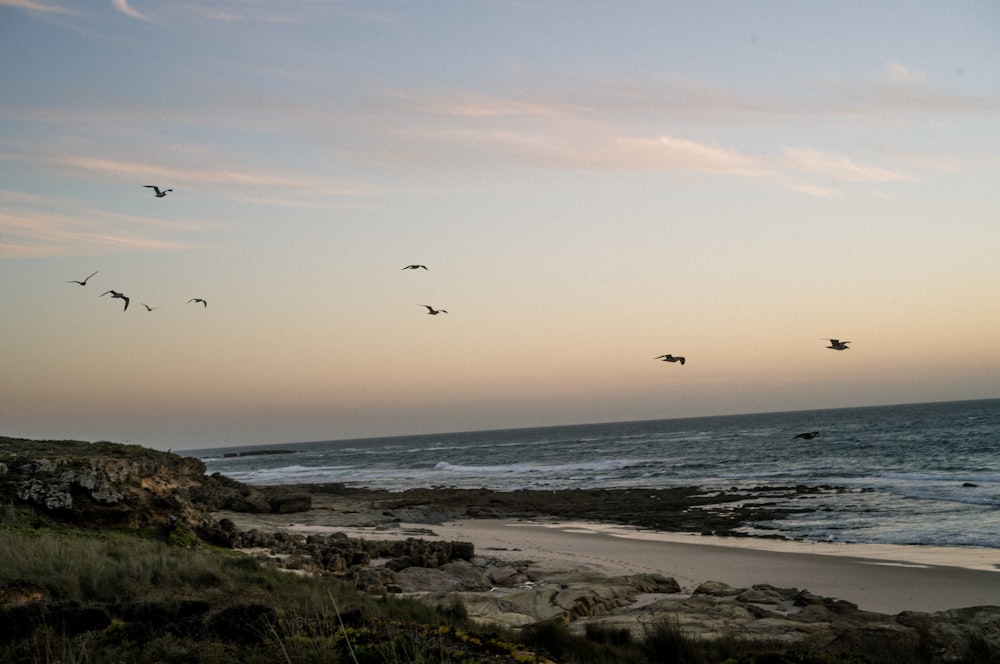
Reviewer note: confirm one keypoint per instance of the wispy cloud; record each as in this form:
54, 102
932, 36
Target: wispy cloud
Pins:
900, 74
125, 8
39, 225
35, 6
221, 175
672, 125
895, 91
35, 234
605, 149
839, 166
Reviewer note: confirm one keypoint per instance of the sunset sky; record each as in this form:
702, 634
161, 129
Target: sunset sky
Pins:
591, 185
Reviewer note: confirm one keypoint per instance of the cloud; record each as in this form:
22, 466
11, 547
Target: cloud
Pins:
602, 148
35, 225
303, 205
625, 153
895, 91
168, 174
123, 7
483, 107
691, 155
902, 75
840, 166
34, 6
34, 234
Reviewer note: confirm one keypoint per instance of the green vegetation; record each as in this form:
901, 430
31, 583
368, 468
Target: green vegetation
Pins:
76, 449
115, 597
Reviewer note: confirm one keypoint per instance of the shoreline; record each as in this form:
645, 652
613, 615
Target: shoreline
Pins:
683, 533
886, 579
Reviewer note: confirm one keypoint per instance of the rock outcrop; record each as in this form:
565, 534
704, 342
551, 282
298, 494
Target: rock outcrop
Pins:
114, 485
100, 484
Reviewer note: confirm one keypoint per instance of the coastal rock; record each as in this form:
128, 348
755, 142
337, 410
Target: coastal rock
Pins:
716, 589
715, 610
505, 575
374, 580
217, 492
460, 575
100, 484
562, 596
423, 553
110, 484
290, 502
950, 633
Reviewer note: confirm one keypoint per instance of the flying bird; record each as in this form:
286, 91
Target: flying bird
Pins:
82, 283
415, 267
431, 310
157, 191
148, 308
808, 435
118, 295
670, 358
198, 299
837, 344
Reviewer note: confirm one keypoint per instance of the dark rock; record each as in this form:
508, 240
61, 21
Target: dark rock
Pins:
716, 589
288, 503
463, 550
450, 577
375, 580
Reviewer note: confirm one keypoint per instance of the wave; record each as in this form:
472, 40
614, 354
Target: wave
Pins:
941, 477
289, 474
526, 468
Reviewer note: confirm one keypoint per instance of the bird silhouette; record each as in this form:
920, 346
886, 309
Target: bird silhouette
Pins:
837, 344
808, 435
148, 308
415, 267
118, 295
82, 283
157, 191
198, 299
670, 358
431, 310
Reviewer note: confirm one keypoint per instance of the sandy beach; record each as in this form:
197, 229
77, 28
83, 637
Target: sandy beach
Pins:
884, 579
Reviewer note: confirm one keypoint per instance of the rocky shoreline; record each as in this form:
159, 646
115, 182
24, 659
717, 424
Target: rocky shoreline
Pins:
103, 485
516, 593
679, 509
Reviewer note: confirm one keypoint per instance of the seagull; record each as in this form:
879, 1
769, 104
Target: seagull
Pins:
837, 344
82, 283
117, 295
415, 267
148, 308
198, 299
431, 310
670, 358
808, 435
159, 194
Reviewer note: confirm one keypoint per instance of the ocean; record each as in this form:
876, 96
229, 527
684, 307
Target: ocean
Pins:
925, 474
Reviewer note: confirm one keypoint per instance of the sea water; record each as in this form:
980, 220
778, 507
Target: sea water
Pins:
907, 474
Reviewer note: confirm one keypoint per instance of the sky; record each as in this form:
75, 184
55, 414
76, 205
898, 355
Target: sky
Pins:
590, 185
